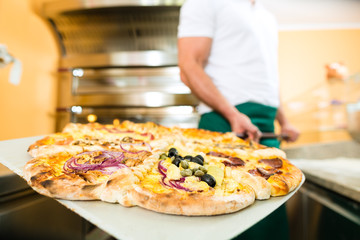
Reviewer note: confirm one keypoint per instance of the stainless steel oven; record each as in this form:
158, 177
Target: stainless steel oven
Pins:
138, 94
119, 61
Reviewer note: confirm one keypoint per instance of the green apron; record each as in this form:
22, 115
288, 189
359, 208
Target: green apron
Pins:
275, 225
261, 116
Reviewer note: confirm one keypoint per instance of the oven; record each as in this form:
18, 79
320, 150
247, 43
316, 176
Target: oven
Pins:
138, 94
119, 61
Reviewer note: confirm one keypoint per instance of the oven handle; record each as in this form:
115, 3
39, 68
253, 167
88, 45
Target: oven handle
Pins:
328, 202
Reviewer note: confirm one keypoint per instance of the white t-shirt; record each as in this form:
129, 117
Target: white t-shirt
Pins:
243, 62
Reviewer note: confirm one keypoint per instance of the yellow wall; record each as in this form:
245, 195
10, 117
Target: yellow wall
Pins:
304, 88
27, 109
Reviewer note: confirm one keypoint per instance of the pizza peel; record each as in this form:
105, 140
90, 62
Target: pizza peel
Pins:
266, 135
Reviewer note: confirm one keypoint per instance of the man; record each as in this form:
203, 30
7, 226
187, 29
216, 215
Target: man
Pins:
228, 58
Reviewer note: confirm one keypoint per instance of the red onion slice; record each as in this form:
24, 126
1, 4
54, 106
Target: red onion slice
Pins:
162, 169
112, 161
172, 183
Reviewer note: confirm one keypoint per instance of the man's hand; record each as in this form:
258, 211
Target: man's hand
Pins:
286, 127
240, 123
290, 131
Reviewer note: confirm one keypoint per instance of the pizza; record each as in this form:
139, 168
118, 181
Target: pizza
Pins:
169, 170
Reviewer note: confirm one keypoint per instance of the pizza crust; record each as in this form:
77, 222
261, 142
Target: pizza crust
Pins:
190, 204
118, 186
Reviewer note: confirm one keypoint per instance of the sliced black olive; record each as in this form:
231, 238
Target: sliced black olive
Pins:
210, 180
188, 157
176, 162
201, 157
172, 152
197, 160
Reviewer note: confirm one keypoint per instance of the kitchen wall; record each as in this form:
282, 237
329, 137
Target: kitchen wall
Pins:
27, 109
305, 90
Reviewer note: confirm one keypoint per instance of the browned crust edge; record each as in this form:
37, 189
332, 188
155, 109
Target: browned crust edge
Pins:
191, 204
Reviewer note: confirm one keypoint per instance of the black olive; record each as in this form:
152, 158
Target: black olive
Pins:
210, 180
197, 160
176, 162
201, 157
172, 152
188, 157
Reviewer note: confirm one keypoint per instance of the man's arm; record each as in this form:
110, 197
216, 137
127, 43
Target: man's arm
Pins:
193, 55
286, 127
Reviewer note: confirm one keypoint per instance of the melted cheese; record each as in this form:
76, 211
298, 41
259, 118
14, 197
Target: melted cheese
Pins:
173, 172
195, 184
152, 183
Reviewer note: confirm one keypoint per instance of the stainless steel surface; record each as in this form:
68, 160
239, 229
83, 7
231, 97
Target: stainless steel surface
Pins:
316, 213
128, 81
57, 7
151, 58
353, 120
10, 183
33, 216
120, 35
328, 204
123, 87
181, 116
116, 55
323, 197
146, 99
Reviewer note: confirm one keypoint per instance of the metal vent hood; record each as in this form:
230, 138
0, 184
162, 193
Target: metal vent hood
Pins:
115, 33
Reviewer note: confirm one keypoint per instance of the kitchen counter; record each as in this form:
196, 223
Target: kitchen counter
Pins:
335, 166
328, 204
